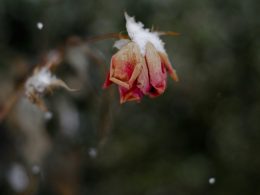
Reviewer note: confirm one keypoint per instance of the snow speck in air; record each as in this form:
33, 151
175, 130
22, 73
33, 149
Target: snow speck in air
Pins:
40, 25
36, 169
92, 152
212, 180
48, 115
18, 178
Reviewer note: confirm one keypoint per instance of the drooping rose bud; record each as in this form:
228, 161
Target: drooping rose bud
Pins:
140, 66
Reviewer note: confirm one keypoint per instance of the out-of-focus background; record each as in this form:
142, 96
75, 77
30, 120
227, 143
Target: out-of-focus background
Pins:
202, 136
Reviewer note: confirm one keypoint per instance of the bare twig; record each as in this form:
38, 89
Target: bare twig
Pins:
170, 33
107, 36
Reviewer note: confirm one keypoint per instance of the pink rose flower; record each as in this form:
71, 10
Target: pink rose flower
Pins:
140, 66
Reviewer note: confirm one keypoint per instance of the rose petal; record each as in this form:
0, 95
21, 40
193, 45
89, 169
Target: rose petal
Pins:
143, 82
107, 82
156, 71
133, 94
165, 60
126, 65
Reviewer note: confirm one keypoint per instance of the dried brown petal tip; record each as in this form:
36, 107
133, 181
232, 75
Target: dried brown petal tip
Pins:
61, 83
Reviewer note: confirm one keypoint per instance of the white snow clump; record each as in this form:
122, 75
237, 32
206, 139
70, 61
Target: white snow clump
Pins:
141, 36
40, 81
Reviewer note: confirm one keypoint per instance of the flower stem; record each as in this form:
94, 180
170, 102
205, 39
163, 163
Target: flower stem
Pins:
170, 33
107, 36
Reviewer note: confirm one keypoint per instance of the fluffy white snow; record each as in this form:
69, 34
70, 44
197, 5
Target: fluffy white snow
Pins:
40, 25
141, 36
36, 169
121, 43
212, 180
92, 152
40, 81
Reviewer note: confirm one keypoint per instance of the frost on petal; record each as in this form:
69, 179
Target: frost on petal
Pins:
142, 36
126, 65
121, 43
156, 70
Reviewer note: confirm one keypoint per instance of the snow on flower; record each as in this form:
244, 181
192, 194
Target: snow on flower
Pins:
142, 36
41, 82
140, 66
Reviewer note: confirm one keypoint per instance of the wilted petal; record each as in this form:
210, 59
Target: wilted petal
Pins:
107, 82
60, 83
143, 80
126, 65
156, 71
133, 94
166, 62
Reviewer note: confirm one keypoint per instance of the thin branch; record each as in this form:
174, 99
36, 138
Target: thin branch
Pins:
107, 36
170, 33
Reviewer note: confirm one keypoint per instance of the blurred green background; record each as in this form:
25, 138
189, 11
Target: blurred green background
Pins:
202, 136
